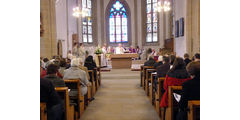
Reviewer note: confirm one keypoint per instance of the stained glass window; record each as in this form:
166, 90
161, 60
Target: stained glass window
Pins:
87, 21
152, 21
118, 24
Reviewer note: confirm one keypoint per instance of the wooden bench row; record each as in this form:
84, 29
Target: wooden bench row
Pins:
148, 75
74, 85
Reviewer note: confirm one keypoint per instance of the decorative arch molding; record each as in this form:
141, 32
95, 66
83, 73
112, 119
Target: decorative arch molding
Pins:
128, 13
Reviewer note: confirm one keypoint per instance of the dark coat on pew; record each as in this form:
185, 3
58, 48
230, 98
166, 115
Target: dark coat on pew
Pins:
57, 82
157, 64
163, 69
150, 62
190, 91
50, 97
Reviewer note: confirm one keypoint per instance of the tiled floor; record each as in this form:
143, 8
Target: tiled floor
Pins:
120, 98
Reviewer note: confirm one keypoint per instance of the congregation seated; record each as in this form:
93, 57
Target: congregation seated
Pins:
186, 59
82, 67
160, 59
52, 76
45, 61
150, 61
43, 72
190, 89
68, 63
62, 66
176, 76
164, 68
48, 95
74, 72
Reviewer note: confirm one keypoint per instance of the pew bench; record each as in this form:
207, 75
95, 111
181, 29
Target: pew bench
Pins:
69, 109
152, 85
170, 110
91, 72
148, 80
43, 111
194, 110
143, 74
74, 85
158, 95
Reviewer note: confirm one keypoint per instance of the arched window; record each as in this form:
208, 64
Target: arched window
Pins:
118, 23
87, 21
152, 21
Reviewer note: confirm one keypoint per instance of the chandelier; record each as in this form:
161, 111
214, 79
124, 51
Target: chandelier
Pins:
77, 12
165, 6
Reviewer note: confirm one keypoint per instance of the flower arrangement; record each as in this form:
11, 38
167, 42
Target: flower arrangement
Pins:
98, 51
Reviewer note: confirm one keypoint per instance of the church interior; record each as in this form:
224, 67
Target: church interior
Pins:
120, 59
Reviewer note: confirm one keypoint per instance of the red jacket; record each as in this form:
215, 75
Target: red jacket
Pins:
170, 81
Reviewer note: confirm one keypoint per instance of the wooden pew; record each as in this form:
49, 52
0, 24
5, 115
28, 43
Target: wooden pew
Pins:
69, 109
158, 96
75, 85
194, 110
147, 79
169, 115
141, 76
98, 77
93, 82
151, 93
144, 74
43, 111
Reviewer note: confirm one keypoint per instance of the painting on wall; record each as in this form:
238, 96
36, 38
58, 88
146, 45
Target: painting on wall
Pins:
176, 29
181, 27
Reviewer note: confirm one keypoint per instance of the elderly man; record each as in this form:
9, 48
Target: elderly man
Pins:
74, 72
119, 49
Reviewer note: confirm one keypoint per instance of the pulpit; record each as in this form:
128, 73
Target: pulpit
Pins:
122, 60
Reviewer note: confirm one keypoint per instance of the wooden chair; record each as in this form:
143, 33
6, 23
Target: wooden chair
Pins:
158, 95
43, 111
169, 115
69, 109
151, 92
147, 79
91, 72
144, 74
75, 85
194, 110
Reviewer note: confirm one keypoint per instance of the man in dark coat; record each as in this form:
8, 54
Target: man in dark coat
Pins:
186, 58
150, 62
52, 76
163, 69
54, 103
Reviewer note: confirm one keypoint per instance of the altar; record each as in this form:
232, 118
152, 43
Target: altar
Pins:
122, 60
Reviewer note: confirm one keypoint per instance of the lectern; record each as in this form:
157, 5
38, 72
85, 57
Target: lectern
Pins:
120, 61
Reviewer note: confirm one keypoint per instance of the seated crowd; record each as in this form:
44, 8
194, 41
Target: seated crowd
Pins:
53, 73
178, 72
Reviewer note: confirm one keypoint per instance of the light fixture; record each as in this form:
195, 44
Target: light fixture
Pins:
165, 6
77, 12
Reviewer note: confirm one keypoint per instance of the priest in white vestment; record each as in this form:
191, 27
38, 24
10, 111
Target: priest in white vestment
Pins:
119, 49
103, 56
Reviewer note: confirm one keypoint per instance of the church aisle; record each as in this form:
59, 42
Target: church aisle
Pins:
120, 98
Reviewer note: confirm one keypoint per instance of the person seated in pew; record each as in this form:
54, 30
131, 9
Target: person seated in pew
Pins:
190, 89
48, 95
164, 68
62, 66
68, 63
74, 72
197, 57
43, 72
160, 59
45, 60
171, 59
52, 76
83, 67
150, 61
186, 59
90, 64
175, 77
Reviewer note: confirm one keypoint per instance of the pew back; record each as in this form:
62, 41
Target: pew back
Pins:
194, 110
43, 111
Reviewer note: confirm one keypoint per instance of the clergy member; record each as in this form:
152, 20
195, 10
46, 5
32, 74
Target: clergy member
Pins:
120, 49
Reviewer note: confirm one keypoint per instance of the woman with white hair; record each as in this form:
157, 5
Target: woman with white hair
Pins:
160, 59
74, 72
